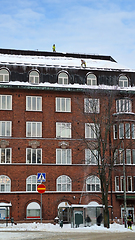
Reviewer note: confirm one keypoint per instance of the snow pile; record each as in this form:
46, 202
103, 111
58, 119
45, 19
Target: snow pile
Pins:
56, 228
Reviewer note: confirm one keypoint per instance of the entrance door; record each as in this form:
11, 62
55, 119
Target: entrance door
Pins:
130, 210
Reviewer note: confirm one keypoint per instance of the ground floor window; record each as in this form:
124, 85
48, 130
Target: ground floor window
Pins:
33, 210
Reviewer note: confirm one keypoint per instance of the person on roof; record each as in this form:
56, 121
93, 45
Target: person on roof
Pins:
83, 64
53, 48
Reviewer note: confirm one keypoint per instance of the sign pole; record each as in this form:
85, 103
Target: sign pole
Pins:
41, 209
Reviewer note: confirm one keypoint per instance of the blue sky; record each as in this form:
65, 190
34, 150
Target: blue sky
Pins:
104, 27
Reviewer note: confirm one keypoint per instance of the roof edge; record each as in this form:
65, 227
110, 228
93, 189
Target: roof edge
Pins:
55, 54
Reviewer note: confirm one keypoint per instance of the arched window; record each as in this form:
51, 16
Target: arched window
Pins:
31, 183
63, 78
5, 183
123, 81
34, 77
4, 75
33, 210
64, 183
91, 79
93, 184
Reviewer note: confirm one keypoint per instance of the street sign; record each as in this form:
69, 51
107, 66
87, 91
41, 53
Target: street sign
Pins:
41, 177
41, 188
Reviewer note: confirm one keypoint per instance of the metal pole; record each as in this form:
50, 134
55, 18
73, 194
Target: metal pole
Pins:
124, 182
41, 209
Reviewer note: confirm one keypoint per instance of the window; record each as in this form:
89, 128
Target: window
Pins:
121, 130
64, 184
63, 78
115, 131
5, 128
133, 156
31, 183
33, 210
93, 184
4, 75
5, 183
91, 130
63, 130
91, 79
129, 184
33, 129
63, 156
123, 81
5, 102
5, 155
116, 184
127, 130
91, 105
128, 156
123, 105
91, 157
116, 159
122, 183
134, 183
63, 104
33, 103
121, 156
34, 77
33, 155
133, 131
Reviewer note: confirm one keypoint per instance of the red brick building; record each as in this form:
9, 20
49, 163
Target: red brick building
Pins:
46, 107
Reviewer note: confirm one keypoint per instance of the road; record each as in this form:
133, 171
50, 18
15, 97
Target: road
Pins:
66, 236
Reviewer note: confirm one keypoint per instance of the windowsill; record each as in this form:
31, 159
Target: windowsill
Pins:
121, 113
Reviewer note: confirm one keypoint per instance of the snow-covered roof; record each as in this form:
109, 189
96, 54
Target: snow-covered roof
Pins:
60, 62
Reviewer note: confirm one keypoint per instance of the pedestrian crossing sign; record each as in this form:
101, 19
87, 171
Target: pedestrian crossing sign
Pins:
41, 177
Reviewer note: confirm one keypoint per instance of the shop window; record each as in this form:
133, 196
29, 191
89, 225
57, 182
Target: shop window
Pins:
33, 210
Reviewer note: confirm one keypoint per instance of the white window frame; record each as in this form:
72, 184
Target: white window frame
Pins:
33, 103
31, 183
123, 81
33, 211
117, 188
4, 154
115, 131
5, 102
121, 156
91, 105
128, 156
64, 184
35, 152
127, 130
91, 130
5, 128
133, 130
5, 182
129, 178
133, 156
94, 183
34, 77
122, 184
63, 104
63, 130
91, 79
63, 156
63, 78
124, 105
33, 132
4, 74
91, 157
121, 130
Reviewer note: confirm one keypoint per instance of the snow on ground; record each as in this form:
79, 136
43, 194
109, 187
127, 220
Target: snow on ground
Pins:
56, 228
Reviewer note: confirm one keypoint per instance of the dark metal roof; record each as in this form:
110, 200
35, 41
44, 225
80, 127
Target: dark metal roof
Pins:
55, 54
